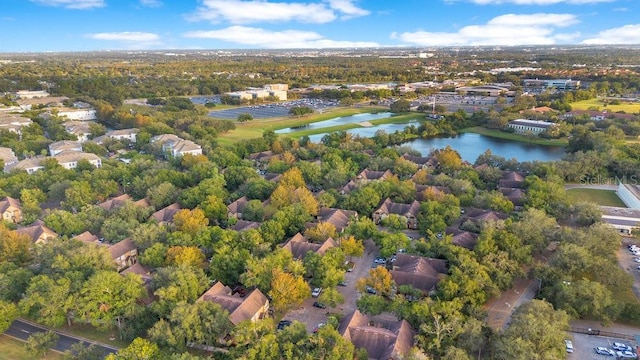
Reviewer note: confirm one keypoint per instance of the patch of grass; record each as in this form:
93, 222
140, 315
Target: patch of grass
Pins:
514, 137
599, 104
400, 119
600, 197
254, 128
90, 332
12, 349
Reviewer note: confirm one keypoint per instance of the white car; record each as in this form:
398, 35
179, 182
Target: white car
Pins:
626, 354
316, 292
605, 351
636, 259
569, 345
621, 346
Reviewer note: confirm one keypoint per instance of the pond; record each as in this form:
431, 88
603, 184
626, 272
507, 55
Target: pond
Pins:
469, 145
358, 118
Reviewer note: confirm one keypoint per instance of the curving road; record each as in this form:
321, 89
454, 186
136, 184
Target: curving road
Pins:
21, 330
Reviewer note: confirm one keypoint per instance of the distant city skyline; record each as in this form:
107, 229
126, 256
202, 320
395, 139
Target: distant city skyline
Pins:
89, 25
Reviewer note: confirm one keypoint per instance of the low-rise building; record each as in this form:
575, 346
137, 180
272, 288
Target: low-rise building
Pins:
299, 246
79, 128
7, 156
38, 232
625, 220
522, 126
124, 254
124, 134
31, 94
58, 147
406, 211
29, 165
69, 159
174, 146
253, 307
14, 123
10, 210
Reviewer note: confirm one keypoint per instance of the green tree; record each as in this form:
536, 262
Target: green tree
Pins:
8, 313
139, 349
244, 117
400, 106
51, 302
177, 284
38, 344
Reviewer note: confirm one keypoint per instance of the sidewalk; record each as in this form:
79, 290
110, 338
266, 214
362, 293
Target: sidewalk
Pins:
615, 328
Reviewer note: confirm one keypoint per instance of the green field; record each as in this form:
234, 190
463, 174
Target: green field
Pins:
12, 349
594, 104
254, 128
514, 137
600, 197
400, 119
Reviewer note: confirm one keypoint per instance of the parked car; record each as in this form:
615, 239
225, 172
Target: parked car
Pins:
342, 283
319, 305
626, 354
569, 345
283, 324
315, 329
371, 290
349, 265
316, 292
621, 346
605, 351
637, 259
380, 260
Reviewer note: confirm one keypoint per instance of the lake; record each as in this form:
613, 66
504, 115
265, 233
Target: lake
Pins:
469, 145
358, 118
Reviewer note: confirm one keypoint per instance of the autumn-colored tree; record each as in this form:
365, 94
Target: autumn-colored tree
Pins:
379, 279
351, 247
293, 178
14, 247
185, 256
283, 196
448, 159
321, 232
190, 221
287, 290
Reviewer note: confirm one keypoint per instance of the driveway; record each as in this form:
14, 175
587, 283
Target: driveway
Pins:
312, 316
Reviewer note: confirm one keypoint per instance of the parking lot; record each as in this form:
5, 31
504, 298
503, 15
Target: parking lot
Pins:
312, 316
584, 345
280, 109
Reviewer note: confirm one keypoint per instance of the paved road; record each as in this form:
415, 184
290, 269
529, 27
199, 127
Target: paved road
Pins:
500, 309
21, 330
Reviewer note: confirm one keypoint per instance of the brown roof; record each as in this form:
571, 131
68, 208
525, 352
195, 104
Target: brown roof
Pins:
420, 160
261, 156
383, 343
420, 272
115, 202
243, 225
87, 237
337, 217
240, 309
166, 214
463, 238
511, 179
238, 205
390, 207
139, 269
515, 195
367, 174
38, 231
348, 187
299, 246
8, 202
121, 248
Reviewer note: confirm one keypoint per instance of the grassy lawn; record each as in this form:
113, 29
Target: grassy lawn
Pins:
254, 128
514, 137
89, 332
401, 119
600, 197
12, 349
597, 103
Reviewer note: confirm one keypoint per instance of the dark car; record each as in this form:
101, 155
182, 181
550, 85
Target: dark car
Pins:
319, 305
371, 290
283, 324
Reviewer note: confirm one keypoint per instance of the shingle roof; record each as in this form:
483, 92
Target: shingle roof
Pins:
8, 202
240, 309
166, 214
390, 207
299, 246
420, 272
121, 248
115, 202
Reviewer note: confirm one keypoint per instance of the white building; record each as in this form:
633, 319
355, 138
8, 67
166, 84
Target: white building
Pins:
175, 146
276, 90
560, 84
58, 147
14, 123
29, 165
69, 159
78, 114
124, 134
522, 126
7, 156
630, 195
78, 128
624, 220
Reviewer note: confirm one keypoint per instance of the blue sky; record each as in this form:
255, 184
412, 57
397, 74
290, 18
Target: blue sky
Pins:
86, 25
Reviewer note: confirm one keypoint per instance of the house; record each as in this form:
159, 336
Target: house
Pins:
597, 115
88, 238
124, 254
511, 179
14, 123
70, 159
8, 157
115, 202
515, 195
30, 94
78, 114
79, 128
29, 165
369, 175
339, 218
234, 210
10, 210
387, 341
299, 246
349, 187
407, 211
123, 134
38, 232
261, 159
420, 272
421, 161
243, 225
522, 126
175, 146
57, 147
165, 215
465, 239
254, 306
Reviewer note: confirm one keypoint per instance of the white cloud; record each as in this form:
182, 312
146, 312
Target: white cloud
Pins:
287, 39
130, 36
151, 3
252, 11
628, 34
537, 2
508, 29
72, 4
